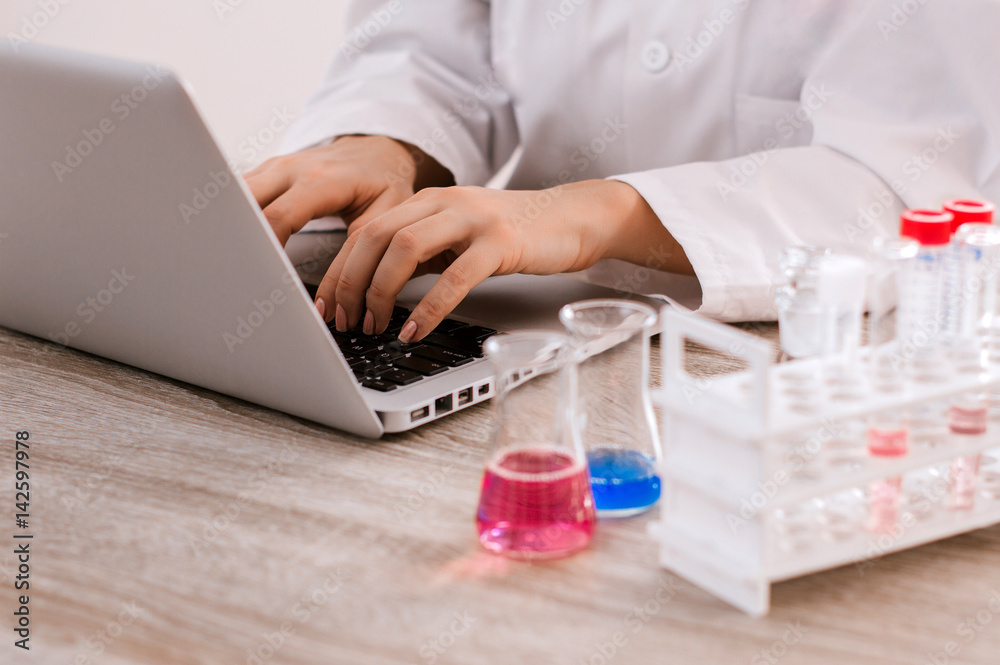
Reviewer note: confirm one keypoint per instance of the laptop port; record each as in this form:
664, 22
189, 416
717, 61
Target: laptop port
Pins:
484, 389
420, 414
442, 405
464, 396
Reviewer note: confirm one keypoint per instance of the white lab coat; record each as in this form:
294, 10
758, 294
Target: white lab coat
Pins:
747, 125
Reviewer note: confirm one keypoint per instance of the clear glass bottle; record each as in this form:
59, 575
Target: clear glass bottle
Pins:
799, 312
535, 501
614, 413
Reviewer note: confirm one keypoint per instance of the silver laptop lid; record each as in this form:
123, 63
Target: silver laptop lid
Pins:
125, 234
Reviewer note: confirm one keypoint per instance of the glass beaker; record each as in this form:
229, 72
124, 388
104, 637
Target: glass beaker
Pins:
799, 313
613, 410
535, 501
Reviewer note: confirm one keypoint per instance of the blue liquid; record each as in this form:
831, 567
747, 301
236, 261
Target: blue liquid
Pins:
624, 482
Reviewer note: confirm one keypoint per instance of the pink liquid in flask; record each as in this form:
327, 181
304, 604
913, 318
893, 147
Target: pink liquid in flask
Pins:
535, 504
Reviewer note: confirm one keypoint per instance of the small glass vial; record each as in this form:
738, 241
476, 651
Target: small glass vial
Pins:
976, 249
967, 417
535, 501
892, 279
614, 413
924, 312
799, 311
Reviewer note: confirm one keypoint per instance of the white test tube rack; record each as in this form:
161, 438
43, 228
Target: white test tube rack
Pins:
762, 484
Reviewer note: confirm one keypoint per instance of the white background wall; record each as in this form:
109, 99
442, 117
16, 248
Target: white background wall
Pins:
243, 64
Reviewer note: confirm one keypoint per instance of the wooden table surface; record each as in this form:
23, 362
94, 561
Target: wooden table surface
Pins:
176, 525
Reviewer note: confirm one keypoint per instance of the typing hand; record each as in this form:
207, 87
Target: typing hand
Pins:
468, 233
356, 177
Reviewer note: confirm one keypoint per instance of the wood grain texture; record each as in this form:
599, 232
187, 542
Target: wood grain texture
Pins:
222, 524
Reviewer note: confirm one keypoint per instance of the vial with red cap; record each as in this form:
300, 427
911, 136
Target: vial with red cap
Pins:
923, 306
965, 273
976, 252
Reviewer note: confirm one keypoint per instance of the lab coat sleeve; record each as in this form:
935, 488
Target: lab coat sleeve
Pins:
905, 113
420, 73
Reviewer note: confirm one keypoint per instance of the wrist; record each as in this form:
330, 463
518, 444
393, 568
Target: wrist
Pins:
636, 233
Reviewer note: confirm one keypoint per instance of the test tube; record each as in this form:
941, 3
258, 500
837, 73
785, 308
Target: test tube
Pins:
977, 251
924, 311
888, 432
798, 309
892, 280
840, 294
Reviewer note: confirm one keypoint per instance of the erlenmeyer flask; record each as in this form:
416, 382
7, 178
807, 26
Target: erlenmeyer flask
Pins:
535, 501
613, 410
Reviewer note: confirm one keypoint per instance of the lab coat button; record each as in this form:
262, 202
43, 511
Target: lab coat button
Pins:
655, 56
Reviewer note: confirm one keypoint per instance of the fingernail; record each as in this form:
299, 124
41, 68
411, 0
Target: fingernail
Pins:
407, 333
341, 319
321, 308
369, 327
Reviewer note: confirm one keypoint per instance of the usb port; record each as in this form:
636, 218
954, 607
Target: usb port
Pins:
483, 389
442, 405
420, 414
464, 396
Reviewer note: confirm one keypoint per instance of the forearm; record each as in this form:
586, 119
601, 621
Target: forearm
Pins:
638, 236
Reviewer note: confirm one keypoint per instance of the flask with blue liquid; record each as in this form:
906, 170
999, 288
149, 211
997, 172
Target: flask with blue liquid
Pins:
612, 407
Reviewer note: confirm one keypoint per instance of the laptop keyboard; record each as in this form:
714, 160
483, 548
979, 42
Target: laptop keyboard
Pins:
383, 363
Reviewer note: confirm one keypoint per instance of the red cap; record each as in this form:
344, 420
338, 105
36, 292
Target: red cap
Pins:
965, 211
928, 227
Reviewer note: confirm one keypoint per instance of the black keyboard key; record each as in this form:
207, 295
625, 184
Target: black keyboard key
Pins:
386, 355
357, 361
469, 347
444, 356
370, 370
378, 384
449, 326
478, 333
358, 347
424, 366
403, 377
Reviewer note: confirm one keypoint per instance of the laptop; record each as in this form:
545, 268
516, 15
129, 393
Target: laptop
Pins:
125, 233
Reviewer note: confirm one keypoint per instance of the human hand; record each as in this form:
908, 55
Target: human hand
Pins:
469, 233
356, 177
